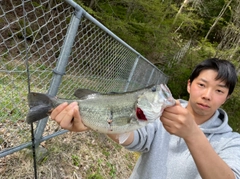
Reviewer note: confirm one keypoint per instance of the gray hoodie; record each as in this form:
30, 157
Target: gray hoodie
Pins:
166, 156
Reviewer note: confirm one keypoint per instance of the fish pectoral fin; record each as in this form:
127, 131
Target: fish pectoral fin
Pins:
123, 137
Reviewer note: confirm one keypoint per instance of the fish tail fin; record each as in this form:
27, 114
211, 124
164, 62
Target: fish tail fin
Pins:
40, 106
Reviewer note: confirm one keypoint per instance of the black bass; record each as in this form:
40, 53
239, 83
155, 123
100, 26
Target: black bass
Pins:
108, 113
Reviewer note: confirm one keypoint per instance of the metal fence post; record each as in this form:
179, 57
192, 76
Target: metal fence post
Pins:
149, 79
59, 71
131, 74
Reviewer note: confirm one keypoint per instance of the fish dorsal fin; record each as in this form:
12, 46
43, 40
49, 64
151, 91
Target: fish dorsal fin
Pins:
84, 93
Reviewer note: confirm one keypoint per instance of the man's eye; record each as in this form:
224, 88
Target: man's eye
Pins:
219, 91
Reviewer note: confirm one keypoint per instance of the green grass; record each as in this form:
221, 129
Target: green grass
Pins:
76, 160
95, 176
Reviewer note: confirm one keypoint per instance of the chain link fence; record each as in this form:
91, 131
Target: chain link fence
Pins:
55, 47
31, 32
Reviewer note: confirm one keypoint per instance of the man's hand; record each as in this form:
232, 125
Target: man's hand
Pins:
179, 121
68, 117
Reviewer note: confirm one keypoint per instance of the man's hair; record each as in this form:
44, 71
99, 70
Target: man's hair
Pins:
225, 69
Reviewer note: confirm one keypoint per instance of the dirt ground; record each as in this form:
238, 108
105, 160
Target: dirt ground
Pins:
86, 155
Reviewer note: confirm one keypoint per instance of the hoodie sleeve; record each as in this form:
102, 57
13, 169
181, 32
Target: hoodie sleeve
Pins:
143, 137
230, 153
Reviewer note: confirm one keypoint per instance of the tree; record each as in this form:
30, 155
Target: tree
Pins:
185, 2
218, 17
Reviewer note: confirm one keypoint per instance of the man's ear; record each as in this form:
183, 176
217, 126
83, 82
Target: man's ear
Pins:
188, 86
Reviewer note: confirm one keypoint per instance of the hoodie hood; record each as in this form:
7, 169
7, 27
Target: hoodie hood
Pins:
217, 124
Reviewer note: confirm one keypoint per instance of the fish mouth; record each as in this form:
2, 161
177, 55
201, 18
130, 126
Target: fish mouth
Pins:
140, 115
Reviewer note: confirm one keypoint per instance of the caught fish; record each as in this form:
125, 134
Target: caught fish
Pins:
108, 113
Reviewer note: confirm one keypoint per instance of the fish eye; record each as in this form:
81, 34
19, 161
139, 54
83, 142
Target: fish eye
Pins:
154, 89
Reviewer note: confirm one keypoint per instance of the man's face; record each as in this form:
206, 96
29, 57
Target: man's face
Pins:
206, 95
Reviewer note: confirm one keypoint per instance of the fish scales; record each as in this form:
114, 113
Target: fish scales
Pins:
114, 115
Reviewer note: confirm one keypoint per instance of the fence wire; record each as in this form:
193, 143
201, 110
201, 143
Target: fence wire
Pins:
37, 33
32, 30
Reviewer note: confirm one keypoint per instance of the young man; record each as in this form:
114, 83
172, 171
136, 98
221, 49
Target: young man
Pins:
192, 139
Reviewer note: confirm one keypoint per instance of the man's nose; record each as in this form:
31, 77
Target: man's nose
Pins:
207, 94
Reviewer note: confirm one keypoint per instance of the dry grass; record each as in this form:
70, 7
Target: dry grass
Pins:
72, 156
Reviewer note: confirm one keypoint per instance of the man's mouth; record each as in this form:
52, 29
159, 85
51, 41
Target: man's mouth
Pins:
203, 105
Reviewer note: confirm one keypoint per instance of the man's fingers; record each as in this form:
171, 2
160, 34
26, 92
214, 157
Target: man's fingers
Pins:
63, 111
65, 117
57, 110
66, 121
173, 109
166, 121
78, 124
76, 113
177, 102
72, 113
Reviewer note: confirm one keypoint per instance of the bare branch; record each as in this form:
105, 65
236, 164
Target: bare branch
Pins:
217, 19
